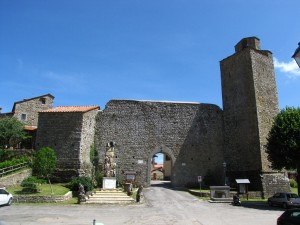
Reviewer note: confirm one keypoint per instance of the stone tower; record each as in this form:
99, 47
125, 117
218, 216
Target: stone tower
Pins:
250, 103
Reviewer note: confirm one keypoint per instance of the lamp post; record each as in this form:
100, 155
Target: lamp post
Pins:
224, 166
296, 55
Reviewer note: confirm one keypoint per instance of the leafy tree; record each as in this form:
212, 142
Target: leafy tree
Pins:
85, 181
11, 132
283, 145
44, 163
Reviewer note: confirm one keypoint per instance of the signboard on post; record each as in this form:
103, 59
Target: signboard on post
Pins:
199, 179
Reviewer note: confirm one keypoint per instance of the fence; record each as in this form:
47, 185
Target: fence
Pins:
13, 168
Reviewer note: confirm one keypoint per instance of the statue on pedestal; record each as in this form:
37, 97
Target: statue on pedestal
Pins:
109, 179
109, 162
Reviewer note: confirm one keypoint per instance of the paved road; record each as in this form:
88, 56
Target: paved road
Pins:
163, 206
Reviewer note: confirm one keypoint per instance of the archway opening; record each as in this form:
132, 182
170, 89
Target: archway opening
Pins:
161, 167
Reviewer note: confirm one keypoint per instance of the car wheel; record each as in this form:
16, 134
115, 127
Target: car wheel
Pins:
270, 203
284, 205
10, 201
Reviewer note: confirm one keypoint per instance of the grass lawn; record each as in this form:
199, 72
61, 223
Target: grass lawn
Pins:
202, 190
58, 189
294, 190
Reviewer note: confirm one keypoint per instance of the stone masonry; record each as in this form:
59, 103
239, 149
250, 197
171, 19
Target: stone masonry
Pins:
197, 137
70, 132
250, 103
190, 133
27, 109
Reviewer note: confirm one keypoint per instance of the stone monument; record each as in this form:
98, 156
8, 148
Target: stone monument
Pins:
109, 179
81, 194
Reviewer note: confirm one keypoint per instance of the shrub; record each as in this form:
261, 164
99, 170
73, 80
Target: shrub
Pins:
99, 179
293, 183
13, 162
85, 181
6, 154
31, 184
34, 179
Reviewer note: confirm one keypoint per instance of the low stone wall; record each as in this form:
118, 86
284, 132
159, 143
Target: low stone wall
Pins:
251, 194
275, 182
47, 199
15, 179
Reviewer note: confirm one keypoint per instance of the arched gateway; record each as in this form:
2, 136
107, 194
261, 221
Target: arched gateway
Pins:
167, 164
190, 133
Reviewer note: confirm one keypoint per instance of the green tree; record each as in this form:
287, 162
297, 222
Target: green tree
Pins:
11, 132
44, 163
283, 147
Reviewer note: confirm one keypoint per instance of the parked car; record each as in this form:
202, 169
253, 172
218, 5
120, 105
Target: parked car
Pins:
289, 217
5, 197
284, 199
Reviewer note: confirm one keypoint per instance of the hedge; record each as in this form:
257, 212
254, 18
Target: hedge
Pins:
13, 162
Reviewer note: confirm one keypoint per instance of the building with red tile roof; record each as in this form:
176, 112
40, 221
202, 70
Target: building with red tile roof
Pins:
69, 131
74, 109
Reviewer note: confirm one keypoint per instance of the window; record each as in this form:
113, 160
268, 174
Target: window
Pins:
43, 101
2, 191
295, 214
23, 116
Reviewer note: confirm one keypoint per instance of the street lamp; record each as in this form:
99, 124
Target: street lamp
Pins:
224, 165
296, 55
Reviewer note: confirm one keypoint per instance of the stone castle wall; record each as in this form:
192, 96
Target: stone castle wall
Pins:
87, 141
190, 133
197, 137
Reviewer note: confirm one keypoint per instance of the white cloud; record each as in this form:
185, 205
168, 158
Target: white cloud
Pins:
291, 68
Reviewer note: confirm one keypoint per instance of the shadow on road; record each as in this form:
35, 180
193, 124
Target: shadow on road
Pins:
166, 184
260, 206
161, 183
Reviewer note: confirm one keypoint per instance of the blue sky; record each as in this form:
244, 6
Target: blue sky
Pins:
89, 52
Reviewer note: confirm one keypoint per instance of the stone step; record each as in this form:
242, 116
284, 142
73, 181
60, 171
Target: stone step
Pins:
109, 202
109, 197
107, 193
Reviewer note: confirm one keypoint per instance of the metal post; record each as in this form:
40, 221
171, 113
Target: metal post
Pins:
200, 186
224, 165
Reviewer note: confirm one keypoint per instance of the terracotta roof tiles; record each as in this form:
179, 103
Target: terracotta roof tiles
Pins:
63, 109
30, 128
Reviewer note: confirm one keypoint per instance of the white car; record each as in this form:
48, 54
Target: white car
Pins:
5, 197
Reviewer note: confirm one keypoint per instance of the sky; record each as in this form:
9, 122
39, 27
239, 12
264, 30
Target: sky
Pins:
90, 52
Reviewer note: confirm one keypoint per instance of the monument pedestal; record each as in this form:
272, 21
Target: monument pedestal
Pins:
220, 194
109, 183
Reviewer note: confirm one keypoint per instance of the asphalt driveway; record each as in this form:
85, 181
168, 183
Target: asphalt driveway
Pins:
163, 206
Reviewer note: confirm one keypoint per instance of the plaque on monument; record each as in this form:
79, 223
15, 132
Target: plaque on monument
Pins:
109, 183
